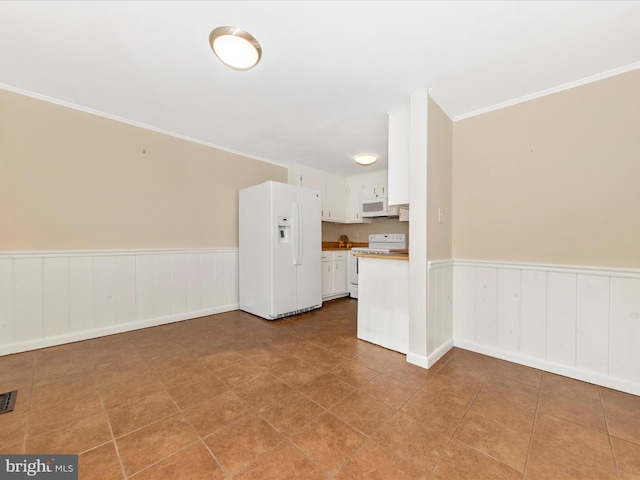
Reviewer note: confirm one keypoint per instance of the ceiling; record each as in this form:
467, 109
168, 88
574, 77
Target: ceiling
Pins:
329, 73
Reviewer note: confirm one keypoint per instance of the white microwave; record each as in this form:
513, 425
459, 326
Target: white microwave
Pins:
374, 207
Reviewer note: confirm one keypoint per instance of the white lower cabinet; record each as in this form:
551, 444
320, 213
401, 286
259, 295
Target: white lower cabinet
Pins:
335, 274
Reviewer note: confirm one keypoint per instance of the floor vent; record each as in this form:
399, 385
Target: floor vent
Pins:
8, 400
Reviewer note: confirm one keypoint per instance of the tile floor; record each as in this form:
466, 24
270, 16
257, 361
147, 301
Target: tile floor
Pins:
232, 396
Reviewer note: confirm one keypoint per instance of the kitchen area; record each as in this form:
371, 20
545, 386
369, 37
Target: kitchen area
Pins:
364, 251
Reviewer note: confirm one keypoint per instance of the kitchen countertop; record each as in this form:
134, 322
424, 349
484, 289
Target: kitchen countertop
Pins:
329, 246
386, 256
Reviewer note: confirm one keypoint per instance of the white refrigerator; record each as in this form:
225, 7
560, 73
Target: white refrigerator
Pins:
280, 250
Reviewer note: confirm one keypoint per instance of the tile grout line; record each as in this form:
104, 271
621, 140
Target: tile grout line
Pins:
533, 427
606, 422
106, 413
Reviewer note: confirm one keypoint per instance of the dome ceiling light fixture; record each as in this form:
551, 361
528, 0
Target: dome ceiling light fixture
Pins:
365, 158
235, 47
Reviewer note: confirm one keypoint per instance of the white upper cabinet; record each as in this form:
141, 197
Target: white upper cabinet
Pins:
398, 175
341, 197
354, 195
335, 207
374, 184
331, 187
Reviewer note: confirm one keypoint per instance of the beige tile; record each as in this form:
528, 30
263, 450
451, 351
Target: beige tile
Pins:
217, 412
620, 402
466, 370
13, 426
376, 463
181, 373
328, 441
193, 463
549, 462
407, 373
518, 373
262, 391
494, 439
624, 426
587, 414
72, 390
296, 373
363, 412
326, 390
190, 394
353, 373
238, 444
627, 456
285, 462
17, 448
574, 439
512, 415
145, 447
241, 372
100, 463
128, 388
45, 420
380, 359
83, 434
109, 374
570, 389
460, 392
222, 359
512, 390
388, 390
126, 418
461, 462
291, 412
320, 358
416, 442
439, 412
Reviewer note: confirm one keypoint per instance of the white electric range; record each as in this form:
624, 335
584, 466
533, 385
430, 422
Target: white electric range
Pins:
378, 243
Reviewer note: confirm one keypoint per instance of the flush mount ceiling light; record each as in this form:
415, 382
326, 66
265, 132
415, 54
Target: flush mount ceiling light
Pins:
365, 158
235, 47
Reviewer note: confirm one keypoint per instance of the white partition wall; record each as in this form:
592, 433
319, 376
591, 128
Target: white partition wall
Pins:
580, 322
49, 298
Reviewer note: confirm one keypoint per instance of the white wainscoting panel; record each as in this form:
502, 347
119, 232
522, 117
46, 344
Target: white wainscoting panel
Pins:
50, 298
440, 321
581, 322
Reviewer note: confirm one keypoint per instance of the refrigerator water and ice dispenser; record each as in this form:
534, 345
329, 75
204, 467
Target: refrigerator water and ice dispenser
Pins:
284, 230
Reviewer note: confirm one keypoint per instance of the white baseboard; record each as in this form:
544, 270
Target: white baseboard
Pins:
551, 367
105, 331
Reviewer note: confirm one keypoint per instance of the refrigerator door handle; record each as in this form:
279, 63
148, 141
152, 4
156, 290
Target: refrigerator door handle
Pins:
297, 222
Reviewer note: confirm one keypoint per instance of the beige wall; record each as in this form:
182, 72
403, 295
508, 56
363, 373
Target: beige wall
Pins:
439, 182
552, 180
74, 181
359, 232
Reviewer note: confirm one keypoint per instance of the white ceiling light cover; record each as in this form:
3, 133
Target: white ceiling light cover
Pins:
366, 158
235, 47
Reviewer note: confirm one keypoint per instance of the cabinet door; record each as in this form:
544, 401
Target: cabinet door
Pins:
327, 278
336, 202
340, 276
353, 202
